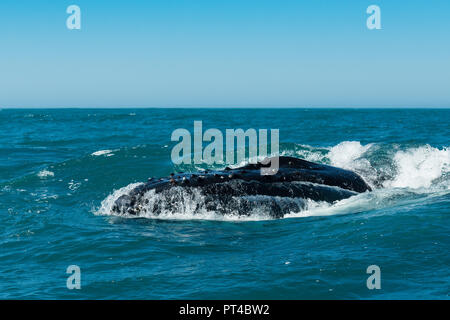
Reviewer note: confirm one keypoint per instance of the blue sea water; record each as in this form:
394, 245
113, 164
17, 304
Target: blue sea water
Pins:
60, 170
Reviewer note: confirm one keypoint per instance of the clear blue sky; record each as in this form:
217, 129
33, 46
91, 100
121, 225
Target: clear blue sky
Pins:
231, 53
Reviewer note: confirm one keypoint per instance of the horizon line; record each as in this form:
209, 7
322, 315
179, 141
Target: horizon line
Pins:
233, 107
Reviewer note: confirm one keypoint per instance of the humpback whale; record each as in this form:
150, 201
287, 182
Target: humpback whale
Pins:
243, 190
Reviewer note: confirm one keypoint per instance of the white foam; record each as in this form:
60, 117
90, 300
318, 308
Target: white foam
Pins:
73, 186
419, 167
345, 154
312, 154
102, 152
45, 173
358, 203
107, 204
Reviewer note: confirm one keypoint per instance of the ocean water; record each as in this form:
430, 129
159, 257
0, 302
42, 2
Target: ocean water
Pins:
61, 169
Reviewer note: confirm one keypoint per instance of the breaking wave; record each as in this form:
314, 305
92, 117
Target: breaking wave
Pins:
397, 175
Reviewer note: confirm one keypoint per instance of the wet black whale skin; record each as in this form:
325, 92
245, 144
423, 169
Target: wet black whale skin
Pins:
296, 178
